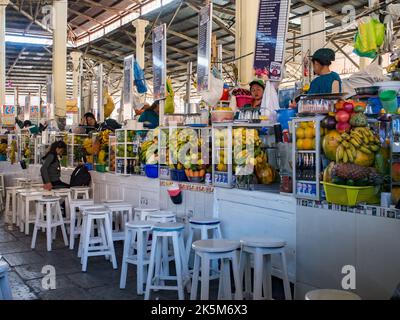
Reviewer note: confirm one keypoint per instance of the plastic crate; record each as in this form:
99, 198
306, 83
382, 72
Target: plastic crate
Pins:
351, 196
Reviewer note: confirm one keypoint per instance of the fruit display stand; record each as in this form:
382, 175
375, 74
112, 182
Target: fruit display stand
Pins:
28, 147
128, 151
75, 149
13, 154
100, 148
395, 160
240, 158
306, 155
184, 154
3, 147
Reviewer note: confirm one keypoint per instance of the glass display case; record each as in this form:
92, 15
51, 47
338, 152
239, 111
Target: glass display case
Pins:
76, 151
245, 156
28, 147
306, 157
112, 153
128, 143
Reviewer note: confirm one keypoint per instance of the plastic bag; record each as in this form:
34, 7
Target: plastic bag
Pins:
270, 102
169, 101
212, 96
140, 81
370, 36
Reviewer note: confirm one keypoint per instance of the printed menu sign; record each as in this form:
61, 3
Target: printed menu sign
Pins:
204, 49
8, 116
273, 18
34, 111
159, 62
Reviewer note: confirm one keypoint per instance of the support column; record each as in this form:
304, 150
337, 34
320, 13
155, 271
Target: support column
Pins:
140, 26
3, 5
246, 27
60, 11
76, 76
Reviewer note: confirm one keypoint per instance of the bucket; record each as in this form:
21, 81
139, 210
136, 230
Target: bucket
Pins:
241, 101
284, 116
3, 157
151, 171
389, 100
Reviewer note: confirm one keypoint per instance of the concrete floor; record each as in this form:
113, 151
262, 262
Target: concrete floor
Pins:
100, 282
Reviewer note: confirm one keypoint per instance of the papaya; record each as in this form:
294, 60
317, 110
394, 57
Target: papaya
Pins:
330, 143
363, 159
382, 161
202, 173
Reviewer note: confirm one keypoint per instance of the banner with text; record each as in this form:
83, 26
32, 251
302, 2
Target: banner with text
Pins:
159, 62
204, 49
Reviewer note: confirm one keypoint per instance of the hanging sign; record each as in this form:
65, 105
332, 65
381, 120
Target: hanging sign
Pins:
8, 116
49, 96
128, 83
204, 49
34, 111
159, 62
269, 53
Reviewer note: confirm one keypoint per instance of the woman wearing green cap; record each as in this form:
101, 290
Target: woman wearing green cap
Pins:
327, 80
257, 88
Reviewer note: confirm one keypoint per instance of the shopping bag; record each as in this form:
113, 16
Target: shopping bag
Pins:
140, 81
270, 102
212, 96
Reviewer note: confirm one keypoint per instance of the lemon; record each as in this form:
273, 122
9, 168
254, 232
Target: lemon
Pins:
299, 144
300, 133
309, 133
308, 144
303, 125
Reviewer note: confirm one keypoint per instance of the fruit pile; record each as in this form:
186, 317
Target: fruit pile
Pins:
350, 114
3, 148
358, 147
305, 136
149, 148
241, 92
351, 174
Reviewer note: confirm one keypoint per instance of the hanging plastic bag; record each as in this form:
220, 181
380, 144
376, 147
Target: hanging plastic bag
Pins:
270, 102
370, 36
109, 105
140, 81
212, 96
169, 101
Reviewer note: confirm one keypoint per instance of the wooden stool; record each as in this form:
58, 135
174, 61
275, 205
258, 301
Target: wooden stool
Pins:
262, 249
80, 191
50, 219
175, 232
121, 213
75, 224
216, 249
24, 200
141, 213
11, 204
65, 194
104, 238
140, 230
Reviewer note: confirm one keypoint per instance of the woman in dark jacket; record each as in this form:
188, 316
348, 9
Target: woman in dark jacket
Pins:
51, 168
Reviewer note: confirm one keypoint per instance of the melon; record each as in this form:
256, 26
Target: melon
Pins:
330, 143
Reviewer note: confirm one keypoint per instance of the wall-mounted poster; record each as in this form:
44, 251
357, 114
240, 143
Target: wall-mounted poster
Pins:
8, 116
159, 62
269, 54
204, 49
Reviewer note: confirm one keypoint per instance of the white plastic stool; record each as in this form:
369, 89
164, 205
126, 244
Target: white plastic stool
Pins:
216, 249
11, 204
104, 238
5, 291
262, 249
22, 182
24, 200
75, 228
2, 185
330, 294
140, 230
49, 208
121, 213
80, 191
204, 225
175, 232
141, 213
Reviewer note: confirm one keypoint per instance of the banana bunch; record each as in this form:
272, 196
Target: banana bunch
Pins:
362, 139
87, 144
102, 157
147, 151
3, 148
105, 137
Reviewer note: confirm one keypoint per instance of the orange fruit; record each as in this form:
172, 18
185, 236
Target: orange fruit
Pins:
300, 133
309, 133
308, 144
303, 125
310, 124
300, 144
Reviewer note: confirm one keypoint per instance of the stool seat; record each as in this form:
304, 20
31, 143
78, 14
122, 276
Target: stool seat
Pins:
215, 245
61, 191
80, 188
86, 207
82, 201
147, 209
206, 221
117, 204
99, 211
13, 188
49, 199
330, 294
263, 242
113, 201
167, 227
159, 215
139, 224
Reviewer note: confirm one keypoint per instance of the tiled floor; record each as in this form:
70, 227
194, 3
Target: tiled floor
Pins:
100, 282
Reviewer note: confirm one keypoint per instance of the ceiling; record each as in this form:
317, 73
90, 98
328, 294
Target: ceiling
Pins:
28, 65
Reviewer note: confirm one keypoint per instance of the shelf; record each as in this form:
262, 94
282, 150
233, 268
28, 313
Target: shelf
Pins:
305, 181
306, 151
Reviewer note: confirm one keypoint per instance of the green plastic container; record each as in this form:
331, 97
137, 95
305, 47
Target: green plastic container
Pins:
389, 101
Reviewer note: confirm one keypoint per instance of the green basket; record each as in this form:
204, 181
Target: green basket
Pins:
100, 167
351, 196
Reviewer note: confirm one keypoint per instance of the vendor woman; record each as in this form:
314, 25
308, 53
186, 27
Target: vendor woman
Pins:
327, 80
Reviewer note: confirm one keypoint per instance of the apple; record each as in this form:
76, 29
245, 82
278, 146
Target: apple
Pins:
348, 107
343, 127
342, 116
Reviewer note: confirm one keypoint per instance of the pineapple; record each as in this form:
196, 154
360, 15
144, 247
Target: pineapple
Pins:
350, 171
